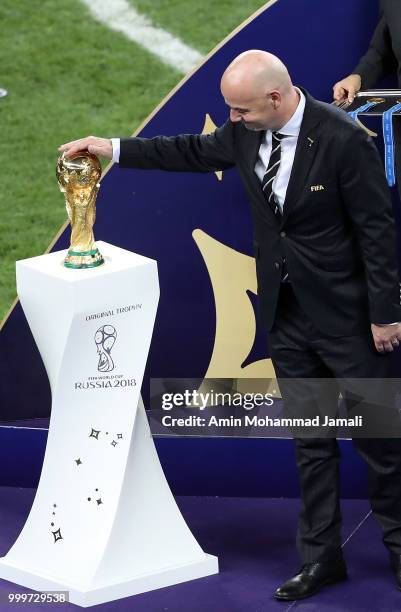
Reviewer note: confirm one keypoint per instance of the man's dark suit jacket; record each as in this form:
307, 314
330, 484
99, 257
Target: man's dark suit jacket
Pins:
384, 53
337, 232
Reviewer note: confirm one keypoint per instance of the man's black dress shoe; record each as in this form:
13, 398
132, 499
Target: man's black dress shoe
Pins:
395, 561
311, 578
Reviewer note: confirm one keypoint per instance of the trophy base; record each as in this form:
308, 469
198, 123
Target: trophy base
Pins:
79, 260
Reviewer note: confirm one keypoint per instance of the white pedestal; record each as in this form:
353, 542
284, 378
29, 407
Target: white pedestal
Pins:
104, 523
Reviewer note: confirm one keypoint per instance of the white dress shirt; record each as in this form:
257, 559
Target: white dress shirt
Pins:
288, 146
115, 143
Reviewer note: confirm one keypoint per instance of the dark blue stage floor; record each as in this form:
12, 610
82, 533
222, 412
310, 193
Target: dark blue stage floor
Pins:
254, 540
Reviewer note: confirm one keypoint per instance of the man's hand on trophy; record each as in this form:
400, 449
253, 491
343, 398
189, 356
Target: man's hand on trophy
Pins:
347, 88
93, 144
386, 337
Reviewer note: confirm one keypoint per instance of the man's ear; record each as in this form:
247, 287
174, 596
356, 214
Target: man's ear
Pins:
276, 99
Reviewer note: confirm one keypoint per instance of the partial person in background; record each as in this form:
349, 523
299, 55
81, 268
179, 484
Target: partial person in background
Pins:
382, 58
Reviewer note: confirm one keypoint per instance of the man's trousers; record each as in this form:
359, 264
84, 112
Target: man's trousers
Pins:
299, 351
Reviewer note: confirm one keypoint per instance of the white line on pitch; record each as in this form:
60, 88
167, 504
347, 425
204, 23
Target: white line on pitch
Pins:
120, 16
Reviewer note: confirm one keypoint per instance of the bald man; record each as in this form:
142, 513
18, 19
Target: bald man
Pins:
324, 243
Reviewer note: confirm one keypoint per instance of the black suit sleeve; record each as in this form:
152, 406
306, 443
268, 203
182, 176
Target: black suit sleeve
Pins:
379, 59
183, 153
367, 199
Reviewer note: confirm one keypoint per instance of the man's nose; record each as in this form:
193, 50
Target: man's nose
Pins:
235, 116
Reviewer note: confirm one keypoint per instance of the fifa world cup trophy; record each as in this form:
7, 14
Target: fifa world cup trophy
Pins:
78, 178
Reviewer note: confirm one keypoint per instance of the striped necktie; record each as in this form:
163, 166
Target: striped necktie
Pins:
267, 186
271, 172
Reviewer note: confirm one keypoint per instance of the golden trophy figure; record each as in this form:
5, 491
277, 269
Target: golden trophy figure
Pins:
78, 178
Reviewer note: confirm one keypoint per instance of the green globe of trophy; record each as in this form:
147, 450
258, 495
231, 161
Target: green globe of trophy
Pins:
78, 178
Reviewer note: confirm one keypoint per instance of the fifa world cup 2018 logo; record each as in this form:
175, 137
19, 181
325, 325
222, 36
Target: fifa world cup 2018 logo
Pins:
105, 338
